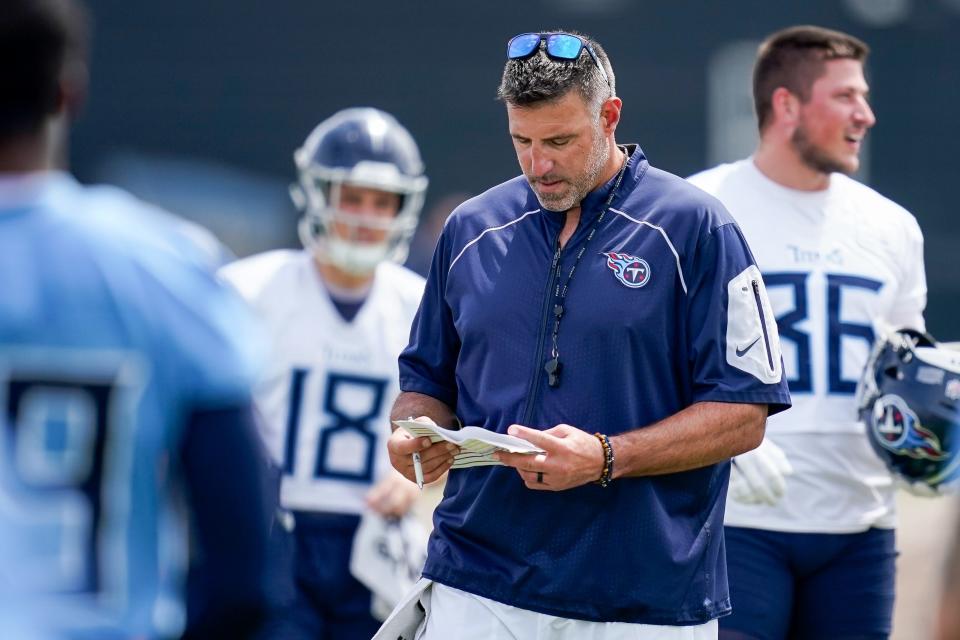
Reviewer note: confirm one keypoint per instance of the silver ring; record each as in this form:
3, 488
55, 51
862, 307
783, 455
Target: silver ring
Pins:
539, 477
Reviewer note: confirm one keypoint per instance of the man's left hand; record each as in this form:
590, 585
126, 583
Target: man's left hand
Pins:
393, 496
573, 457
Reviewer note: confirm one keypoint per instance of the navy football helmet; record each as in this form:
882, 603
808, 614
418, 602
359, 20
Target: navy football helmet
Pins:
909, 400
362, 147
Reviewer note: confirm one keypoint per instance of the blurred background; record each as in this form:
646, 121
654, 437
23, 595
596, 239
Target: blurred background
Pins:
198, 106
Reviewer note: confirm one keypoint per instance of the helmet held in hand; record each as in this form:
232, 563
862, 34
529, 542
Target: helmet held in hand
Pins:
909, 400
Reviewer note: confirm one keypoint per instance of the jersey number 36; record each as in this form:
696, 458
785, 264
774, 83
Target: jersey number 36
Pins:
836, 329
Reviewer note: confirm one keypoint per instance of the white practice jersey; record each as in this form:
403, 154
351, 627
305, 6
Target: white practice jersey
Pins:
326, 395
840, 265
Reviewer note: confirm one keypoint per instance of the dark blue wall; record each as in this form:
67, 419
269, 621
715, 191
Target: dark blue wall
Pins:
237, 85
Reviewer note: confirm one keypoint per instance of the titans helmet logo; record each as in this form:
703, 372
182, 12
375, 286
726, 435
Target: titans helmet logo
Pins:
631, 271
897, 428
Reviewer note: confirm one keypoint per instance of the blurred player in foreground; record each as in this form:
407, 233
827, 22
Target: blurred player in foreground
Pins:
124, 386
810, 513
339, 312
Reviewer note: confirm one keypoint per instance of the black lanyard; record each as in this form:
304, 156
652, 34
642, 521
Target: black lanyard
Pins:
554, 366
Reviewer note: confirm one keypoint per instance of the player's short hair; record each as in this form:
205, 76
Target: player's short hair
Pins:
794, 58
38, 39
540, 78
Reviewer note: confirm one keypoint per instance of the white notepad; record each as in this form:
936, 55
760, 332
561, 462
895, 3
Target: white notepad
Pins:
477, 445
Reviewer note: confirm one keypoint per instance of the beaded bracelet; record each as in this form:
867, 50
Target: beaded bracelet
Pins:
606, 476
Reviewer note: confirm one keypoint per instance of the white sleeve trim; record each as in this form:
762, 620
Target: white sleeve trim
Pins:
663, 233
485, 232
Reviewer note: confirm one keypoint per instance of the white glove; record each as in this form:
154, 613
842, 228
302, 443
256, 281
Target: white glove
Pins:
923, 490
759, 476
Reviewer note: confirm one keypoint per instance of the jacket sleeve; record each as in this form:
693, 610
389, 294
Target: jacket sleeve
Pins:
428, 364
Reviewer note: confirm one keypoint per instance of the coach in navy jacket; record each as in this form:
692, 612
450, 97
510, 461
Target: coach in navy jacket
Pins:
594, 294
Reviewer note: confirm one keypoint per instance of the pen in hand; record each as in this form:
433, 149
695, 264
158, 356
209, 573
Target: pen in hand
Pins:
418, 469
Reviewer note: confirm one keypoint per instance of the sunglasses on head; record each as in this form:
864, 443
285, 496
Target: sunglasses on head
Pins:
560, 46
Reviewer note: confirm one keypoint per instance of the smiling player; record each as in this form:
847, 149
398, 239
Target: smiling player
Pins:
810, 517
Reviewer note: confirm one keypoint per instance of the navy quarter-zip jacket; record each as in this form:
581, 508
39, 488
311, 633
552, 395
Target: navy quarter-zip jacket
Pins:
659, 315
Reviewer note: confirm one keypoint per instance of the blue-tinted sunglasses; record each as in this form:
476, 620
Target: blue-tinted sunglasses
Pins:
560, 46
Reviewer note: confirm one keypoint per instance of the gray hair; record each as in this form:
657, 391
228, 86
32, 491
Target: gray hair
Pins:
541, 78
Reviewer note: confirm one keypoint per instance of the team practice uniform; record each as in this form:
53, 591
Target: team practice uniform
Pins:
120, 358
325, 400
663, 301
839, 265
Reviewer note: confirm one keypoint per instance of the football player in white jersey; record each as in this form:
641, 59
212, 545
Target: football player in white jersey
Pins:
339, 312
810, 513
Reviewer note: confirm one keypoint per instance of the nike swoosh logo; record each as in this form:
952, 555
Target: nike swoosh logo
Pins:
741, 352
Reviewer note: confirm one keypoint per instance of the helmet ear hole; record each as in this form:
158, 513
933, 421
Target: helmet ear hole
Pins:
298, 196
892, 372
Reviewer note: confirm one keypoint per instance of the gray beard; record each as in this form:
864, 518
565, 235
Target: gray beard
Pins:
599, 154
813, 157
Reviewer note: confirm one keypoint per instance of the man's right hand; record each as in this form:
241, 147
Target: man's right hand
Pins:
435, 459
759, 476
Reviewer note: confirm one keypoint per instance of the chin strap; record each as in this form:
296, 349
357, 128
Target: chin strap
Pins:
355, 258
